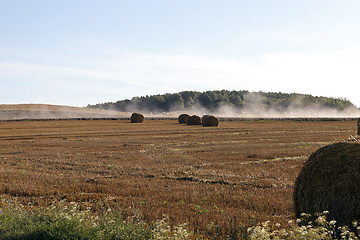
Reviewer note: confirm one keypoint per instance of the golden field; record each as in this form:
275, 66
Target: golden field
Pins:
194, 174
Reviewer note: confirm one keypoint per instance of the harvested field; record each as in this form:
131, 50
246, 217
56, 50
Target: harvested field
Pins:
242, 169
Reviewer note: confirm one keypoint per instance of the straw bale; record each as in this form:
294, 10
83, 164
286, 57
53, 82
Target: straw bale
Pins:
210, 121
183, 118
352, 139
204, 118
330, 180
194, 120
137, 118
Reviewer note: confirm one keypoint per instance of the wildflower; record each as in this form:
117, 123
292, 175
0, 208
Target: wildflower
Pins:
332, 222
277, 224
325, 212
284, 232
321, 220
265, 224
303, 215
290, 222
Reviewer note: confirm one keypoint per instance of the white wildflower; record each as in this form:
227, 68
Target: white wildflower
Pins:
265, 224
321, 219
333, 222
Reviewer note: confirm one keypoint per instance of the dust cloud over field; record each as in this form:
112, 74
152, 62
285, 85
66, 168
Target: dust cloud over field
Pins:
315, 111
256, 107
42, 111
257, 111
297, 108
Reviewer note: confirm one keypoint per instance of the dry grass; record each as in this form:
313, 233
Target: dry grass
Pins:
193, 174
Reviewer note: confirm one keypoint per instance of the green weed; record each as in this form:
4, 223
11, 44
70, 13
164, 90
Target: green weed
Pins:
71, 221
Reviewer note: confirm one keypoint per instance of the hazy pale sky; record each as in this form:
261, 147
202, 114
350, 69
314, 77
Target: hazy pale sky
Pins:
79, 52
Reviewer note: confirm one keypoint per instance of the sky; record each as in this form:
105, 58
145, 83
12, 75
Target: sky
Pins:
80, 52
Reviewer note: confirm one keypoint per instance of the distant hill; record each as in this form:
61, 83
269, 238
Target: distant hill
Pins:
238, 101
44, 111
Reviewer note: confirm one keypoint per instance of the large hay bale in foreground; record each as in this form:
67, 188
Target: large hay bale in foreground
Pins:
330, 180
183, 118
194, 120
137, 118
210, 121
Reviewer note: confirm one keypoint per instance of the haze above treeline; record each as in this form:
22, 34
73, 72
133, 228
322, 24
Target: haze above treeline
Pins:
236, 104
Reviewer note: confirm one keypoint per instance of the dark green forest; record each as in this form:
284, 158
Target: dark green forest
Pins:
212, 100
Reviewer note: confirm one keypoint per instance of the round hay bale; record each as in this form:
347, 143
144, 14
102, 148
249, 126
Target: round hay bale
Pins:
183, 118
210, 121
330, 180
194, 120
204, 118
137, 118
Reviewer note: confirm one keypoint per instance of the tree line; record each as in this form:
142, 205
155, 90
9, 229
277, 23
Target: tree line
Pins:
212, 100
